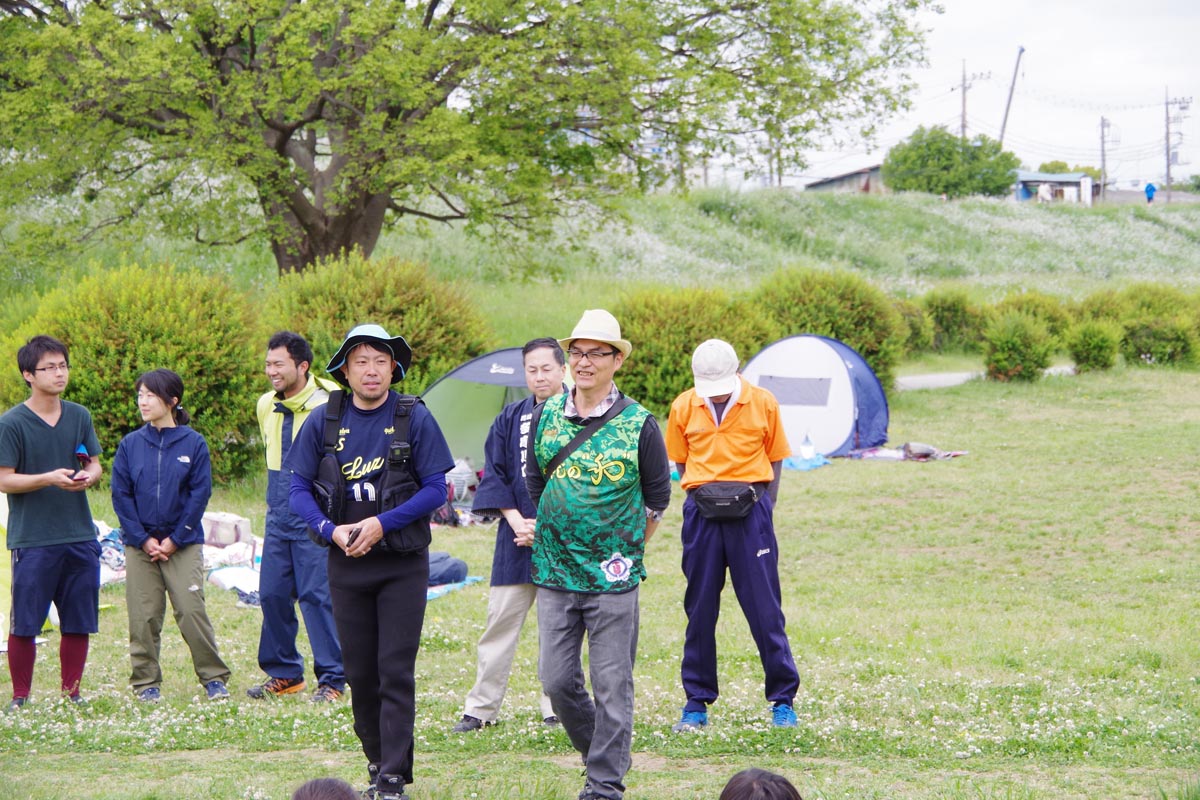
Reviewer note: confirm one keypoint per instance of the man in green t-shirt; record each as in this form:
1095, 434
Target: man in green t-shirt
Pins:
50, 456
600, 480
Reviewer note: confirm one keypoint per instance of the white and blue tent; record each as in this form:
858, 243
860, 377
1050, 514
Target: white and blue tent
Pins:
826, 392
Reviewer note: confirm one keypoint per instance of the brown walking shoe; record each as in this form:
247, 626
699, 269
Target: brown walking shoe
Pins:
325, 694
274, 687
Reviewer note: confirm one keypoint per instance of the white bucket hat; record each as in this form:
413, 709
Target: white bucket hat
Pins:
715, 366
600, 326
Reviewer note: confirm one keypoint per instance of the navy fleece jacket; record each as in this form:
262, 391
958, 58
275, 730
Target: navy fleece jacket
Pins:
161, 481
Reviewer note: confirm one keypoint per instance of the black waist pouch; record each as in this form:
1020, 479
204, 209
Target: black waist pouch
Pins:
725, 499
412, 538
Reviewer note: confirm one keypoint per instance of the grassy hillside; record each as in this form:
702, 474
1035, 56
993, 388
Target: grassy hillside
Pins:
905, 244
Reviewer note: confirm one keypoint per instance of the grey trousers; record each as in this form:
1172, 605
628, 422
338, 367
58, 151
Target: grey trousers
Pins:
148, 584
600, 729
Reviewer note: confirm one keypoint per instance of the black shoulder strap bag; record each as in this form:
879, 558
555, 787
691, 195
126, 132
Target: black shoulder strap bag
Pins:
329, 487
400, 484
582, 436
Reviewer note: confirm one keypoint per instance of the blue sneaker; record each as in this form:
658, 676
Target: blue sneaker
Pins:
782, 715
216, 690
150, 694
690, 722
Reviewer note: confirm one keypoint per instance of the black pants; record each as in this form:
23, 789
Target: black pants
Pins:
379, 609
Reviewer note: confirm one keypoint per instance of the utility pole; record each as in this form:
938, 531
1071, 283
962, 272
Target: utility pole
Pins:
1103, 159
1182, 103
1011, 86
1167, 128
965, 85
963, 127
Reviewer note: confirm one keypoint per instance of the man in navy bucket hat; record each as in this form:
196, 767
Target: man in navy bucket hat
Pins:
379, 558
378, 338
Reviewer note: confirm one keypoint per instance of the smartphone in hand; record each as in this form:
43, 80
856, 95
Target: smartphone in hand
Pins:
81, 455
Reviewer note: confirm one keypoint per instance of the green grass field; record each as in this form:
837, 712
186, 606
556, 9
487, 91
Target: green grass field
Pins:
1018, 623
1015, 624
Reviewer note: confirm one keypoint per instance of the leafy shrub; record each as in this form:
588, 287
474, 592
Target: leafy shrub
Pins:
722, 204
1147, 300
1106, 304
436, 318
1017, 347
958, 323
666, 325
840, 305
1163, 301
120, 323
918, 337
1094, 344
1142, 301
1053, 313
1159, 341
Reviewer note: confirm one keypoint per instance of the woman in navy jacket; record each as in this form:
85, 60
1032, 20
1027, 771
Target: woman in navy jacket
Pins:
161, 482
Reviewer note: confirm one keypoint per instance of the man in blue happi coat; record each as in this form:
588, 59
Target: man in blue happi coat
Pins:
502, 491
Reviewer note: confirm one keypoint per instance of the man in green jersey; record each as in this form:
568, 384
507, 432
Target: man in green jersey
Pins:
600, 480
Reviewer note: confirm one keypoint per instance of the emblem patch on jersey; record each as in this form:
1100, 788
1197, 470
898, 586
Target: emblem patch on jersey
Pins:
617, 568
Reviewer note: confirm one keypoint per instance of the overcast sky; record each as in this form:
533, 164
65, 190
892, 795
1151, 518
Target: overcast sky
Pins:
1083, 59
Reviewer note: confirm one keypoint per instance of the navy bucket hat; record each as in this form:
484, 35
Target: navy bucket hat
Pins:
375, 335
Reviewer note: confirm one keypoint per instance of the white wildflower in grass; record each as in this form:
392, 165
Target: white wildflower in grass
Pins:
973, 620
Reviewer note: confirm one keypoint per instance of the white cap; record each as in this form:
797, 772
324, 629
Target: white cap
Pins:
715, 366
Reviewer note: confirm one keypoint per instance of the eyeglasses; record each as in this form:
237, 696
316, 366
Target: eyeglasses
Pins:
53, 368
590, 355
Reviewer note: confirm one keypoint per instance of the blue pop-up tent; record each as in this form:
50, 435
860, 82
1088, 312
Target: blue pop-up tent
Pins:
826, 391
466, 399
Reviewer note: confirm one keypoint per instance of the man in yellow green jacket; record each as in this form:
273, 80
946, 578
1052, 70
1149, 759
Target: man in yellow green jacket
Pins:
293, 565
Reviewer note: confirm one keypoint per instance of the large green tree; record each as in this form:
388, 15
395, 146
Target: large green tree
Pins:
936, 161
317, 124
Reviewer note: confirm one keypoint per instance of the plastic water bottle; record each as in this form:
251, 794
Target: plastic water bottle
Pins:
807, 448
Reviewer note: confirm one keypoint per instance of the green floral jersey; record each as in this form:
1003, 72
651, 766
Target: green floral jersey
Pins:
591, 521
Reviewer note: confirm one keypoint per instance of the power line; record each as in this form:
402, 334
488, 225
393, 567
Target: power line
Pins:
1144, 149
1067, 101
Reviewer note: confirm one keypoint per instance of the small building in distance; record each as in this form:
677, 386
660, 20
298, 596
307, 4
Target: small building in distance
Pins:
1055, 187
868, 180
